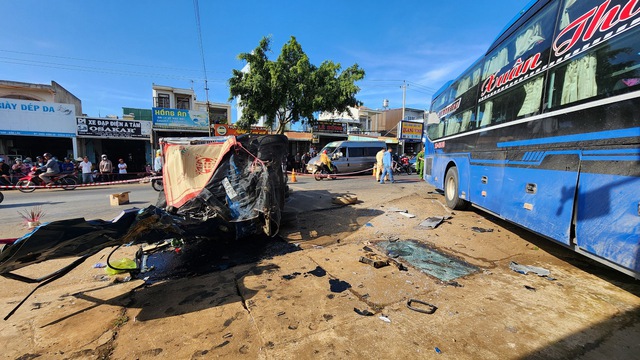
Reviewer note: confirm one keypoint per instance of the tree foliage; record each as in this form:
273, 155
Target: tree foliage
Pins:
291, 89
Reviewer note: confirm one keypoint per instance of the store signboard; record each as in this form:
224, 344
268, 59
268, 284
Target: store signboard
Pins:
226, 130
329, 127
410, 131
37, 118
113, 128
179, 119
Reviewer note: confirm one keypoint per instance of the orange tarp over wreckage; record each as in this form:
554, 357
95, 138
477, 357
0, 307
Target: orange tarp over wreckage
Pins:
188, 168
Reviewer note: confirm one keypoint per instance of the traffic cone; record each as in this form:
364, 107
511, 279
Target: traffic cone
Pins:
293, 176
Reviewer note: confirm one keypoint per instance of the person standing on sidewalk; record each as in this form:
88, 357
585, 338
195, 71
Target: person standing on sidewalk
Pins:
379, 156
106, 169
122, 169
387, 164
86, 168
420, 163
157, 162
5, 173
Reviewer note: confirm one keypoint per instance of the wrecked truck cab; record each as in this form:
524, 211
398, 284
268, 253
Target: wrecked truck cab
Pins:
237, 180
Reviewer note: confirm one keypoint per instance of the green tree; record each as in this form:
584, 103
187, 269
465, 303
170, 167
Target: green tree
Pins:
291, 89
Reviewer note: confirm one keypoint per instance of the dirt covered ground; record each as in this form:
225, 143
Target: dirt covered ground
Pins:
308, 296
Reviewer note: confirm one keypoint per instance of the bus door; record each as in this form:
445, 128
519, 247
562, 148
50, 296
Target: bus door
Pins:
539, 191
608, 208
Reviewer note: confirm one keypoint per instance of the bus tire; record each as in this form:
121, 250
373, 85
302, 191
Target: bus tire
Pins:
451, 187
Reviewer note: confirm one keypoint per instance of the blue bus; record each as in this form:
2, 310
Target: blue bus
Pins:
544, 129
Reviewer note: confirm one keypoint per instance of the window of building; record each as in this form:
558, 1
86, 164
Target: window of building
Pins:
183, 101
163, 101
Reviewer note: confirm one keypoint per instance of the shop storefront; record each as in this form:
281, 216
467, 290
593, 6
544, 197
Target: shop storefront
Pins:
118, 139
410, 137
31, 128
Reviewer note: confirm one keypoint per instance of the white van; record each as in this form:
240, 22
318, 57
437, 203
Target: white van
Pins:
349, 156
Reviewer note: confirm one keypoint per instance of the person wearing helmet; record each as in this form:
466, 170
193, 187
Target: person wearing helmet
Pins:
51, 168
5, 174
326, 161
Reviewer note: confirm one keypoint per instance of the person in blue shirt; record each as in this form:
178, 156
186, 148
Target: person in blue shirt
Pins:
387, 166
67, 166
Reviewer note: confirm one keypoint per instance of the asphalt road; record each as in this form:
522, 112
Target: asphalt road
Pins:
89, 202
92, 202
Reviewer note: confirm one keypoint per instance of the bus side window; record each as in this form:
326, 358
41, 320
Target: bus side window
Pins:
467, 118
533, 91
453, 125
579, 80
612, 68
485, 113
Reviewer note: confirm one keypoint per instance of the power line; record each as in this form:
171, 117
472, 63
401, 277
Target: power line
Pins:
98, 61
421, 86
42, 64
196, 9
394, 83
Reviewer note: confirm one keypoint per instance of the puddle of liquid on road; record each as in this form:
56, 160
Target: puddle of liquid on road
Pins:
427, 259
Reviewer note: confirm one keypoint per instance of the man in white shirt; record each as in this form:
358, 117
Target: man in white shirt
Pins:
87, 174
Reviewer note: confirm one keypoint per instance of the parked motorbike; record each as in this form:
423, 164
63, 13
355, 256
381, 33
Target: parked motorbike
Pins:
321, 172
28, 183
402, 166
157, 184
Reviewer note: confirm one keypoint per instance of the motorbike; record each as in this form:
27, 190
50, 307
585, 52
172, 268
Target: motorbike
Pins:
28, 183
321, 172
157, 184
402, 166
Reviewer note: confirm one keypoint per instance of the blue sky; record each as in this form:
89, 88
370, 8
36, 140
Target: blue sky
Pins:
109, 53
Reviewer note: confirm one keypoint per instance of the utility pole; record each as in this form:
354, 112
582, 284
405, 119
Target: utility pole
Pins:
404, 99
404, 96
206, 91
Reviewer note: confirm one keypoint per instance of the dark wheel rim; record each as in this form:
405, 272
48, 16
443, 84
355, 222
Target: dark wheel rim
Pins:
26, 186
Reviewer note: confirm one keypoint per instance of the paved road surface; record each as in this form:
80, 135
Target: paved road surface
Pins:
88, 202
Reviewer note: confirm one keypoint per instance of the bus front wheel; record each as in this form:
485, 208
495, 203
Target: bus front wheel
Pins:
451, 185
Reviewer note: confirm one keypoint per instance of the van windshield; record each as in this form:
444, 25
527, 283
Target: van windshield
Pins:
329, 149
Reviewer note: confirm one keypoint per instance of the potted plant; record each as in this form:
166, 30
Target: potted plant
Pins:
32, 216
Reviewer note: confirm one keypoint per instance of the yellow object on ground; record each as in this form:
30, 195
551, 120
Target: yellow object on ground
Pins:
122, 265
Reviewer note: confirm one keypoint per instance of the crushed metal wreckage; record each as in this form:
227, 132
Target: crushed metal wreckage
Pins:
214, 187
